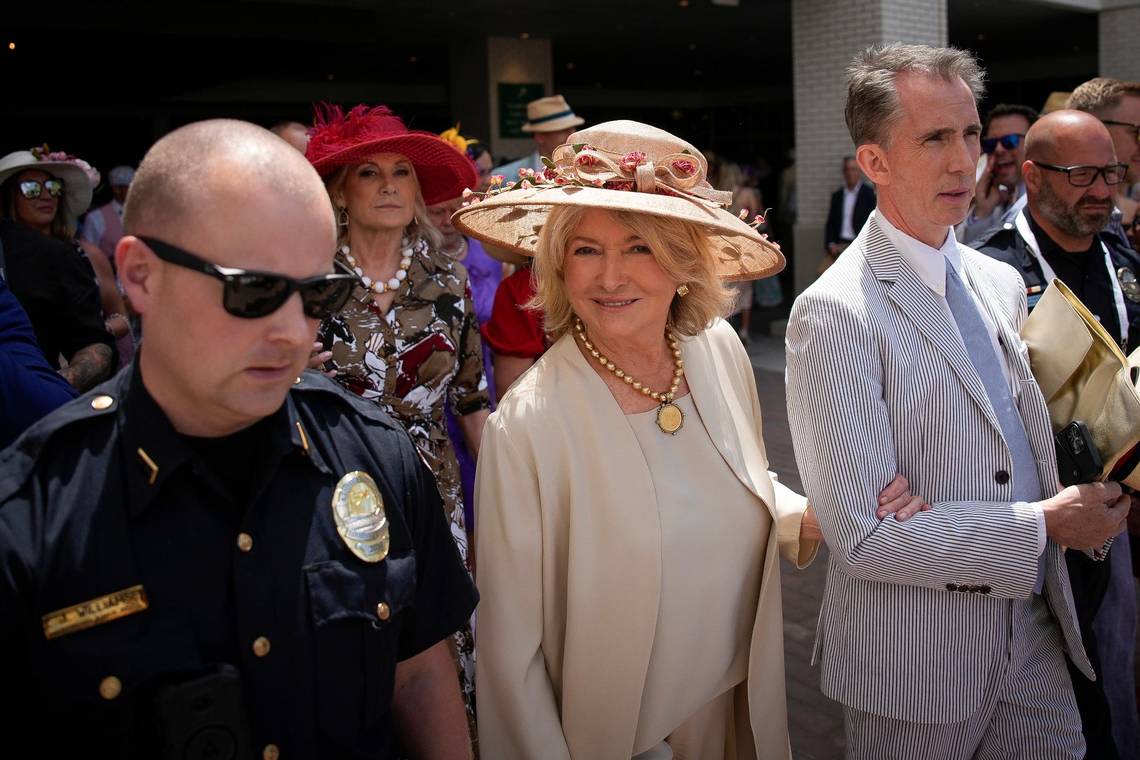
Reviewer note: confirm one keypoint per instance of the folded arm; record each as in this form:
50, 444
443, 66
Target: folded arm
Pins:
845, 448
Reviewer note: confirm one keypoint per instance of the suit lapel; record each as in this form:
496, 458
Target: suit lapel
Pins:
922, 307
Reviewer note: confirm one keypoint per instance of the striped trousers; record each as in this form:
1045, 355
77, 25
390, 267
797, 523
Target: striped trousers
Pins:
1028, 711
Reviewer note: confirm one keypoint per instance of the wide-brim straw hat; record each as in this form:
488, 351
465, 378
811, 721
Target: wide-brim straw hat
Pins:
550, 114
338, 139
77, 188
622, 166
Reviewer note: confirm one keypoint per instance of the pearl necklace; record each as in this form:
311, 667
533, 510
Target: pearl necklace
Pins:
669, 415
379, 288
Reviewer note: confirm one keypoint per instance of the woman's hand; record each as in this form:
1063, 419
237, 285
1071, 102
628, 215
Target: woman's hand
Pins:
318, 358
897, 499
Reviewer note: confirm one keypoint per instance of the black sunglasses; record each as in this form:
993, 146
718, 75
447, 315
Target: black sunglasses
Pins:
33, 188
1009, 142
1083, 176
249, 295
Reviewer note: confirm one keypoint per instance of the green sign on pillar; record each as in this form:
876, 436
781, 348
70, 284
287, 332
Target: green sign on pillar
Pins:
512, 106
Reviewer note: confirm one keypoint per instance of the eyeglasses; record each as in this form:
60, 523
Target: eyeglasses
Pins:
33, 188
1134, 128
1083, 176
1009, 142
249, 295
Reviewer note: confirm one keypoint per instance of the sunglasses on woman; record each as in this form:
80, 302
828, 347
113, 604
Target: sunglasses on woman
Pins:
249, 294
33, 188
1009, 142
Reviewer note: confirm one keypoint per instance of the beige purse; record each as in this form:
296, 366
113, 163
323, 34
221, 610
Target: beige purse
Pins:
1085, 376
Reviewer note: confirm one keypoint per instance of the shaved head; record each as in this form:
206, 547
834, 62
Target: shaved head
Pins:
1057, 134
233, 195
196, 168
1069, 214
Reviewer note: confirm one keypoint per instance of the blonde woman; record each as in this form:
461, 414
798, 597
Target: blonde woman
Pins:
408, 339
629, 530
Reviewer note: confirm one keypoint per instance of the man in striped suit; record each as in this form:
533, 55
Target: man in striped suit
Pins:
942, 636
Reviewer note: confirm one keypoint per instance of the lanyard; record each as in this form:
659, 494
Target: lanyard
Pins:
1050, 275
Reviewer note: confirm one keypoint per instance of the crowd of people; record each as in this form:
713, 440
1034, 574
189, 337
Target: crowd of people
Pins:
494, 483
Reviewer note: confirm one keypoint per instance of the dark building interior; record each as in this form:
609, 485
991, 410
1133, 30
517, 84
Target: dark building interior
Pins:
103, 80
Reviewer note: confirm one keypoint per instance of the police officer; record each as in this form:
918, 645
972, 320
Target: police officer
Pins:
1070, 174
209, 556
1061, 233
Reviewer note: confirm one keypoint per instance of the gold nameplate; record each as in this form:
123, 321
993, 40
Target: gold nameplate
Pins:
94, 612
358, 509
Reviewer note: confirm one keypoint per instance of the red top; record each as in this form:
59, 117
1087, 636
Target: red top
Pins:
513, 330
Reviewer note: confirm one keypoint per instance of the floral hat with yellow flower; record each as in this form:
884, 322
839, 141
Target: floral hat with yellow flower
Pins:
621, 166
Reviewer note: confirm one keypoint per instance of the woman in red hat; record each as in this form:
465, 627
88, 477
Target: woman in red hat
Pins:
408, 339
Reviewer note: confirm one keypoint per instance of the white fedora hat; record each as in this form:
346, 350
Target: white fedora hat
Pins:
550, 114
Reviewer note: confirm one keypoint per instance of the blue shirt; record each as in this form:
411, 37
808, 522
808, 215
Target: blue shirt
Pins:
29, 387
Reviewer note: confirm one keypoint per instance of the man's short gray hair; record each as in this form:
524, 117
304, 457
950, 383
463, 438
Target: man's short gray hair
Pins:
873, 97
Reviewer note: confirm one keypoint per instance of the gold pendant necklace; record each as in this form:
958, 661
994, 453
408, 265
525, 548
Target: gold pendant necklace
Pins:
670, 418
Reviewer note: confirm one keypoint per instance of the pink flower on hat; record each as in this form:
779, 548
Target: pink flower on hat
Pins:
497, 179
585, 159
631, 160
620, 185
685, 166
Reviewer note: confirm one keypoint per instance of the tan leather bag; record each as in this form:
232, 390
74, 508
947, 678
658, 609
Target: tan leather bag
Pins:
1085, 376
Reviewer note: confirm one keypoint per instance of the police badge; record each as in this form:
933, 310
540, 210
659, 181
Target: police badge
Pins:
1128, 283
358, 509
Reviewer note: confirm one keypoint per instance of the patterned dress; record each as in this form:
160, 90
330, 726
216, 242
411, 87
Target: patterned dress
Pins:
423, 352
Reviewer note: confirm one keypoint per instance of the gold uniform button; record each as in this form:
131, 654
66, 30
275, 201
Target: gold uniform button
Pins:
244, 542
99, 403
110, 688
261, 646
270, 752
382, 611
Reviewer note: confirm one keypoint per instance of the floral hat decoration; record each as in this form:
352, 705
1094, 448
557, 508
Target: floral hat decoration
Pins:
79, 178
621, 166
338, 139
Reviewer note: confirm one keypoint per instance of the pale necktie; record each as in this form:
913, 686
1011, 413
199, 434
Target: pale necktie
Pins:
980, 348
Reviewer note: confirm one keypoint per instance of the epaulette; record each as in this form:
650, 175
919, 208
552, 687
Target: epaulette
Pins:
18, 460
315, 388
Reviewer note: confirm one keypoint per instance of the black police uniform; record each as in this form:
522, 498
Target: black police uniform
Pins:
1085, 273
1087, 277
219, 609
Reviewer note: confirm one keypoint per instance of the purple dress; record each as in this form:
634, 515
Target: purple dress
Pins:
484, 273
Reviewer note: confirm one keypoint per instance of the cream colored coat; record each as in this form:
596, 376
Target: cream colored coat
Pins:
569, 557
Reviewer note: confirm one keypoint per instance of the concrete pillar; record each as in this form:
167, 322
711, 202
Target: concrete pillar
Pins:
511, 60
1119, 32
825, 38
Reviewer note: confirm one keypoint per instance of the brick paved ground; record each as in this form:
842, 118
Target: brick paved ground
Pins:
816, 723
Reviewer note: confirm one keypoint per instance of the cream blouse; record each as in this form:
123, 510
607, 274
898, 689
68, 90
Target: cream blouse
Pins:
708, 606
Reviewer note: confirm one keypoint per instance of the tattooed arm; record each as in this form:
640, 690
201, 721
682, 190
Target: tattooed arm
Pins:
89, 366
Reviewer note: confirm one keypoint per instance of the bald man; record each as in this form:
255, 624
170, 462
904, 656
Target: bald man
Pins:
1071, 171
216, 554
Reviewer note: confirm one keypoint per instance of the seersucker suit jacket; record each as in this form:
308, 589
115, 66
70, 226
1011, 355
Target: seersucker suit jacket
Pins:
916, 613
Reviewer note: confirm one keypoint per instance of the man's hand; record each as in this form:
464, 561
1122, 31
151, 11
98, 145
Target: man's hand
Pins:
1085, 516
987, 196
897, 499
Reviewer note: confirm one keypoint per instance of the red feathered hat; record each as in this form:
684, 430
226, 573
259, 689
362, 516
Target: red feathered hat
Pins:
338, 139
